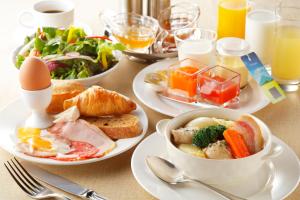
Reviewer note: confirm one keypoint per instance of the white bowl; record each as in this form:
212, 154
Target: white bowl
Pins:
84, 81
212, 171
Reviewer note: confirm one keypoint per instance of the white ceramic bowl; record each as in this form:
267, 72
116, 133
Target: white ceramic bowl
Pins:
84, 81
212, 171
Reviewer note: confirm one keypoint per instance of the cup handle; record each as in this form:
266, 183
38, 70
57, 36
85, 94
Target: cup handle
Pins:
276, 150
161, 126
26, 24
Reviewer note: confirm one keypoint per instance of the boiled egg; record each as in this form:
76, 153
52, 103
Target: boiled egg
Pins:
34, 74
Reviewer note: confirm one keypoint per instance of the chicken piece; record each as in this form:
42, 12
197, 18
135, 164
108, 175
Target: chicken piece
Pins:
184, 135
218, 150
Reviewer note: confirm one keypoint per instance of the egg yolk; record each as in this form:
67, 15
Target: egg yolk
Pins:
33, 137
39, 143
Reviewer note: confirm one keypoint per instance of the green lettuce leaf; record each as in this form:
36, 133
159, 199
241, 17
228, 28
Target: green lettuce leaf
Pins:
19, 61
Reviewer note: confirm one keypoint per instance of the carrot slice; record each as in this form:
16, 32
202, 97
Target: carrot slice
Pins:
236, 143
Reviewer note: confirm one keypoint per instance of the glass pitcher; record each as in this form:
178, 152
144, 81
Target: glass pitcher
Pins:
286, 58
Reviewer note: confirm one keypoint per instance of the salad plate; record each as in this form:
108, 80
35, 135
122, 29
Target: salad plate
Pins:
279, 178
71, 54
252, 97
10, 119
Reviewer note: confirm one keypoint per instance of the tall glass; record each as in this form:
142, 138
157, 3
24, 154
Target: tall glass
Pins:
232, 18
260, 27
286, 54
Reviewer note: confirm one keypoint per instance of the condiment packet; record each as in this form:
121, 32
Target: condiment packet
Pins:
271, 88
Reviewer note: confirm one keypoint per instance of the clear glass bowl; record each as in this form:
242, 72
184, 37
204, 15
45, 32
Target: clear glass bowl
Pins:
182, 79
136, 32
219, 86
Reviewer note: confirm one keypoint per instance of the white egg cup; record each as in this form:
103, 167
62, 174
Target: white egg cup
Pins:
38, 101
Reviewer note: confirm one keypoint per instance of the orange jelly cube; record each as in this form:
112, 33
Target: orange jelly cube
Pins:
184, 78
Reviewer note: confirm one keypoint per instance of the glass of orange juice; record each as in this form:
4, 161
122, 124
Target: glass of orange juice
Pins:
232, 18
286, 57
136, 32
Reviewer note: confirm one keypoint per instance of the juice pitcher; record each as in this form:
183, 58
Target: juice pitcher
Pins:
286, 60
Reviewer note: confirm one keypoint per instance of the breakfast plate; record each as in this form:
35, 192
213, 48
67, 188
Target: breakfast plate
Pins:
252, 98
15, 114
285, 174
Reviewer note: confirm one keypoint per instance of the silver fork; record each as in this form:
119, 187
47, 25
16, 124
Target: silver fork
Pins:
29, 184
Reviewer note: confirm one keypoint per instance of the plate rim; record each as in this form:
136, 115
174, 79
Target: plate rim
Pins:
46, 161
172, 113
155, 134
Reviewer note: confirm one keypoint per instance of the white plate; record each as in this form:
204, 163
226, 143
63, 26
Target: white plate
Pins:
252, 98
286, 176
16, 113
84, 81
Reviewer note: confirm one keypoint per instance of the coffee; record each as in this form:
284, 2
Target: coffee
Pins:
53, 11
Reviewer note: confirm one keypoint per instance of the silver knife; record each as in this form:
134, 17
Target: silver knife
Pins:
62, 183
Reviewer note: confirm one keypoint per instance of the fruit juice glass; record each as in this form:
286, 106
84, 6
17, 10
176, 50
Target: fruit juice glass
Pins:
219, 85
182, 79
232, 18
286, 57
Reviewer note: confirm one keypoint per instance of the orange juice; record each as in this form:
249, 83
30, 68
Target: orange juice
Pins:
232, 18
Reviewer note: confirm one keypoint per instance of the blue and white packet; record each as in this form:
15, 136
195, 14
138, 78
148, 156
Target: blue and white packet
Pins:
258, 71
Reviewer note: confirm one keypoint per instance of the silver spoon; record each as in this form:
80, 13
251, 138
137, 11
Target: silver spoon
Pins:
168, 172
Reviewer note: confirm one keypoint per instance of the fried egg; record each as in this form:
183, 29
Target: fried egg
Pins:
41, 143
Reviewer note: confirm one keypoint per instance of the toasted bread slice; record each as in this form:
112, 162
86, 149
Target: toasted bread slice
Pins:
118, 127
62, 91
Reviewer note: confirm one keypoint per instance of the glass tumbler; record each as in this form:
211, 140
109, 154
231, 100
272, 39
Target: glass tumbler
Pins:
286, 57
232, 18
197, 44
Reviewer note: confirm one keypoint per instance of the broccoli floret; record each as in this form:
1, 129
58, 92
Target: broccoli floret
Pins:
208, 135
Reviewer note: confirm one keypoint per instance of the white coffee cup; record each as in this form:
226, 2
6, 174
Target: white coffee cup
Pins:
49, 13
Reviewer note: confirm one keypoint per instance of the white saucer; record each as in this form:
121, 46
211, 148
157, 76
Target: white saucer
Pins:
16, 113
286, 175
252, 98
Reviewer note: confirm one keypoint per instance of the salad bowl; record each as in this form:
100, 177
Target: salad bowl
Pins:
92, 80
213, 171
84, 59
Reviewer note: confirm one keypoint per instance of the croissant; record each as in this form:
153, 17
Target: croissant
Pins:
97, 101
